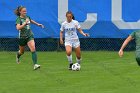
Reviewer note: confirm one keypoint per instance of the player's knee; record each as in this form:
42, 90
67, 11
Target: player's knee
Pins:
68, 53
33, 49
138, 60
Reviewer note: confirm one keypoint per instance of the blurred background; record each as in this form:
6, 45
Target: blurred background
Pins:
108, 23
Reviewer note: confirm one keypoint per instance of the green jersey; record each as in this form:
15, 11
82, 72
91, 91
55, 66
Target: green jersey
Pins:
136, 36
25, 32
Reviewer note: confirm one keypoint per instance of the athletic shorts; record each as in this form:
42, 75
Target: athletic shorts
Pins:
73, 43
24, 41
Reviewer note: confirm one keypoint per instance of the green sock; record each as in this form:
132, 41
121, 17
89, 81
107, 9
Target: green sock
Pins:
34, 57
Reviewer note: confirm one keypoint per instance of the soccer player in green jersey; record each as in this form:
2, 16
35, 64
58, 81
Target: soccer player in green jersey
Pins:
136, 36
26, 36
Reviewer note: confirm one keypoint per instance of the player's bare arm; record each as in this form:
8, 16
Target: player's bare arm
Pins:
19, 27
124, 45
61, 37
36, 23
81, 32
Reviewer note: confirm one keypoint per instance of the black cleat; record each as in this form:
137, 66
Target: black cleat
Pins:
70, 66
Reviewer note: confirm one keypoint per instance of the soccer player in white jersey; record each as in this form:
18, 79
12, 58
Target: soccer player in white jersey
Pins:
70, 27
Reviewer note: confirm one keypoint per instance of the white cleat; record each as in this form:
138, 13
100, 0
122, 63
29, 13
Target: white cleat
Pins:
36, 66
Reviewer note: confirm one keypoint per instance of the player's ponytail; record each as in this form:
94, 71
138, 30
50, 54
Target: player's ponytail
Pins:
73, 17
17, 11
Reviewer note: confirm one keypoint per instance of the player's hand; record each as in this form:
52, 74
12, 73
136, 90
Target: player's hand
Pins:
42, 26
27, 21
61, 42
86, 34
120, 53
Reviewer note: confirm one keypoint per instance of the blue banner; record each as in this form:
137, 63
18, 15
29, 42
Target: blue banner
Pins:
99, 18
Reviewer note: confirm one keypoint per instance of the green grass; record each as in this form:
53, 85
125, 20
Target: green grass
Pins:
102, 72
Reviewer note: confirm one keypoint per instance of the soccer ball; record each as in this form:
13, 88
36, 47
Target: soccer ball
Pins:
76, 67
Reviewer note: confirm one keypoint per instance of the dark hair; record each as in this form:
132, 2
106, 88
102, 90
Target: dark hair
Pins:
17, 11
69, 12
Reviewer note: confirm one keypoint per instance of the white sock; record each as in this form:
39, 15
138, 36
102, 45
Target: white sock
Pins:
70, 59
78, 60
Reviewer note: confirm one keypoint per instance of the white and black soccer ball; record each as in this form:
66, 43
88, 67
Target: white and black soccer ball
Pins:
76, 67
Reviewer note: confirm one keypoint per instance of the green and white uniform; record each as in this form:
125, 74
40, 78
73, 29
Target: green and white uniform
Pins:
136, 36
25, 34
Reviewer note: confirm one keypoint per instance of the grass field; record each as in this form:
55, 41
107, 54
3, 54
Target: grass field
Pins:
102, 72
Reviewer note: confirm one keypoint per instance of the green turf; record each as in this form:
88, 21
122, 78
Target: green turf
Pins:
102, 72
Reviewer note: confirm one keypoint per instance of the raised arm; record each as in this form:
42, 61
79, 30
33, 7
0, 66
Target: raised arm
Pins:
34, 22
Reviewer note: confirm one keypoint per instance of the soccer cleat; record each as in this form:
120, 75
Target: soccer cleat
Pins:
17, 59
70, 66
36, 66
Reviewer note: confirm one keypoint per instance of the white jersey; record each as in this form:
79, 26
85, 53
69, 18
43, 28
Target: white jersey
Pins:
70, 30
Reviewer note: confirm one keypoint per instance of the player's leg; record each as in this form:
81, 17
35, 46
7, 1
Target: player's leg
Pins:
19, 53
22, 43
69, 55
78, 54
76, 46
31, 45
138, 57
138, 60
